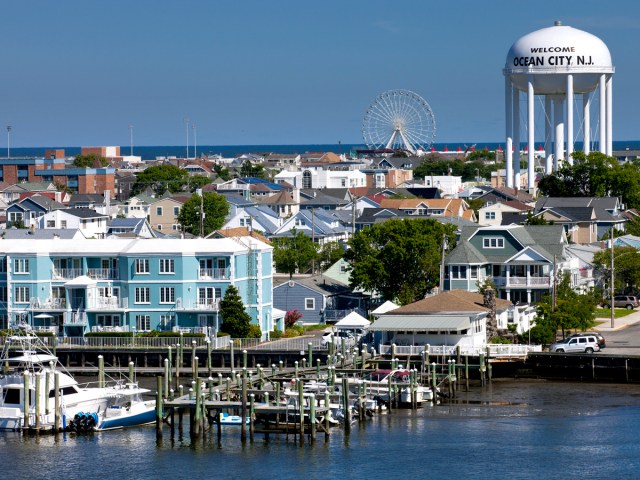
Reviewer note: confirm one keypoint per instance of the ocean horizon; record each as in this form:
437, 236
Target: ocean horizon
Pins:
150, 152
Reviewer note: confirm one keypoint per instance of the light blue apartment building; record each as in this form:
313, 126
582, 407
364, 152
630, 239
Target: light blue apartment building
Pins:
73, 287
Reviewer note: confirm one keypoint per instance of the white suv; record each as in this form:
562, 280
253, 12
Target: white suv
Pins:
586, 344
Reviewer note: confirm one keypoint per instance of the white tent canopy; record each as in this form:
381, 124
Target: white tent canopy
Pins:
353, 320
385, 307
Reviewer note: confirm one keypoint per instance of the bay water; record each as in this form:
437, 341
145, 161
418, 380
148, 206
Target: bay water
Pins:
518, 429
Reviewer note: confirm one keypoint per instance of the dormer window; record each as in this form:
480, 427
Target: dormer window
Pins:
493, 242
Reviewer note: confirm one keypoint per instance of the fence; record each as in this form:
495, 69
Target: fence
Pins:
300, 344
495, 350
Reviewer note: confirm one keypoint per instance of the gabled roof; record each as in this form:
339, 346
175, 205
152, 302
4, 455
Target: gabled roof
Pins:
547, 240
83, 213
86, 198
40, 234
318, 283
321, 198
44, 202
281, 198
606, 203
238, 232
450, 302
31, 187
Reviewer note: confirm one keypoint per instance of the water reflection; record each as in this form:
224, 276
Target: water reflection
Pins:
550, 428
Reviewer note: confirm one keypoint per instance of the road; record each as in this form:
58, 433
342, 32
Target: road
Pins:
625, 338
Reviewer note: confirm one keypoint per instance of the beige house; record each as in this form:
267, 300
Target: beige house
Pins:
163, 213
491, 214
439, 207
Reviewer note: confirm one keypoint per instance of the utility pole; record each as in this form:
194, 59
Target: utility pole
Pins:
199, 192
444, 248
612, 282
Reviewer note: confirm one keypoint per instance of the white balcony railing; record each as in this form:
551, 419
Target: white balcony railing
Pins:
75, 318
109, 303
103, 273
213, 274
109, 328
209, 304
66, 273
536, 282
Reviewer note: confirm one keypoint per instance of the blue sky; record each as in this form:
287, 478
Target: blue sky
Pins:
276, 71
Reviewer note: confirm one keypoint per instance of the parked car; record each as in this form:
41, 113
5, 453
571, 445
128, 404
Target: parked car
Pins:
623, 301
601, 341
586, 344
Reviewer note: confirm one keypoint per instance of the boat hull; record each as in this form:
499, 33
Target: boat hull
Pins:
142, 415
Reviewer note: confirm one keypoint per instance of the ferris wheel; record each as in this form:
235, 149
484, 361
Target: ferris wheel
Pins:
399, 120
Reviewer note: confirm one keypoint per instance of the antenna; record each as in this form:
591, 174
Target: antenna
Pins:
9, 128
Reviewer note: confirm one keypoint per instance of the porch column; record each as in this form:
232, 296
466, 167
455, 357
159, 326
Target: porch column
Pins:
528, 296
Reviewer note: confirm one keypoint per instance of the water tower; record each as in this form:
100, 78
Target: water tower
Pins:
556, 63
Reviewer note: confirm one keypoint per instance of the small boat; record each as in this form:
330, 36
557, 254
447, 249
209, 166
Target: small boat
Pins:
128, 410
226, 419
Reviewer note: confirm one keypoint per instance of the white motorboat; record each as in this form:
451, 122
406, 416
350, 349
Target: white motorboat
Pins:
36, 369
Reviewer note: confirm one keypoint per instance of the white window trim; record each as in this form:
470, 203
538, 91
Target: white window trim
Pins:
147, 321
486, 242
148, 295
21, 266
313, 305
142, 262
170, 292
161, 266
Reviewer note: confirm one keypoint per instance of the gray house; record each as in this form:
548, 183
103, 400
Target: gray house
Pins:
318, 298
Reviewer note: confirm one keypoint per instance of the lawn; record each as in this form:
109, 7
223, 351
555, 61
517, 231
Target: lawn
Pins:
618, 312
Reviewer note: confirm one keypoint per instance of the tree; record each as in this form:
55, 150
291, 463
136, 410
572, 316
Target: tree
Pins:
223, 173
90, 161
216, 209
161, 178
572, 310
537, 220
399, 258
626, 262
594, 175
198, 181
248, 169
236, 321
329, 254
294, 254
468, 170
291, 317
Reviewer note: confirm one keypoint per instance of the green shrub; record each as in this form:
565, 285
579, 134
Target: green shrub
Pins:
291, 333
254, 331
222, 334
277, 333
